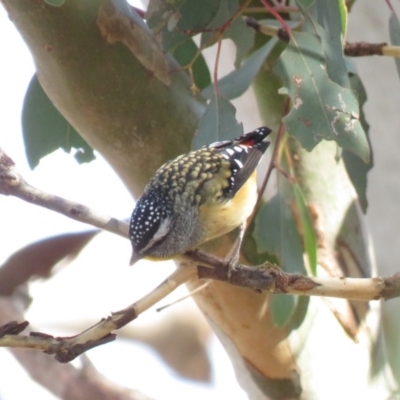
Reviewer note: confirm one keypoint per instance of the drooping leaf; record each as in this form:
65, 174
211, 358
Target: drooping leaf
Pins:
282, 307
356, 168
344, 17
324, 19
304, 4
394, 32
55, 3
309, 237
276, 233
175, 22
237, 82
38, 258
218, 123
184, 54
321, 109
46, 130
226, 9
299, 313
243, 37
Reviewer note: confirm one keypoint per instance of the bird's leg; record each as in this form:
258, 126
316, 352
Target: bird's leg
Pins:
232, 257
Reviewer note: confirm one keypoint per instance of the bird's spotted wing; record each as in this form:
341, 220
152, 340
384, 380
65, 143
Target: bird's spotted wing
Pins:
243, 154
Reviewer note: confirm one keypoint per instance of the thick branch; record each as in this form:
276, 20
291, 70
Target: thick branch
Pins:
99, 83
270, 277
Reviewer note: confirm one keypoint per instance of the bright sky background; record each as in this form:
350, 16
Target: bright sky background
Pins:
73, 295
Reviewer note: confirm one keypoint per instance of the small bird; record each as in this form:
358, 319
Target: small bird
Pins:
197, 197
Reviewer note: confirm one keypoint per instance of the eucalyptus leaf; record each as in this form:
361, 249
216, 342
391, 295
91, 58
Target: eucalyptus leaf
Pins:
282, 307
175, 22
235, 29
356, 168
45, 130
321, 109
243, 38
237, 82
276, 233
226, 9
394, 32
55, 3
324, 18
184, 54
218, 123
309, 237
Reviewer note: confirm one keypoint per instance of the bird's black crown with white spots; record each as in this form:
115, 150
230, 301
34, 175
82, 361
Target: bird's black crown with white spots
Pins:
165, 221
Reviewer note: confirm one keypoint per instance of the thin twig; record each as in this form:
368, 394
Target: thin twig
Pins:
13, 184
280, 9
268, 30
357, 49
65, 381
66, 349
272, 10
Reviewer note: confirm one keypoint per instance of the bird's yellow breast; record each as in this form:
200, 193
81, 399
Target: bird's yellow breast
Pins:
221, 218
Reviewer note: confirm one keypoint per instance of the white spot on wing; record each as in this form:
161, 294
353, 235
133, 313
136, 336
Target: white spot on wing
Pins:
239, 163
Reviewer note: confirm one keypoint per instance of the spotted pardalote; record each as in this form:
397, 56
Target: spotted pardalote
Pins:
197, 196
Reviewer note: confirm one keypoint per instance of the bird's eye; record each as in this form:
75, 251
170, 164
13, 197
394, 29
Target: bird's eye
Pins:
149, 225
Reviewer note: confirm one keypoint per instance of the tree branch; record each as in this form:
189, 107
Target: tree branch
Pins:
271, 278
361, 49
357, 49
13, 184
66, 349
266, 277
63, 380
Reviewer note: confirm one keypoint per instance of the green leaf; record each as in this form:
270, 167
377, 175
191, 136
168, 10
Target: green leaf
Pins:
282, 307
299, 313
170, 20
55, 3
344, 17
304, 4
218, 123
356, 168
276, 233
237, 82
394, 32
321, 109
184, 54
309, 237
226, 9
243, 37
324, 19
45, 129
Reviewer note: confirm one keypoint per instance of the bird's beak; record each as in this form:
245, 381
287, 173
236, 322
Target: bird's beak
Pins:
135, 258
